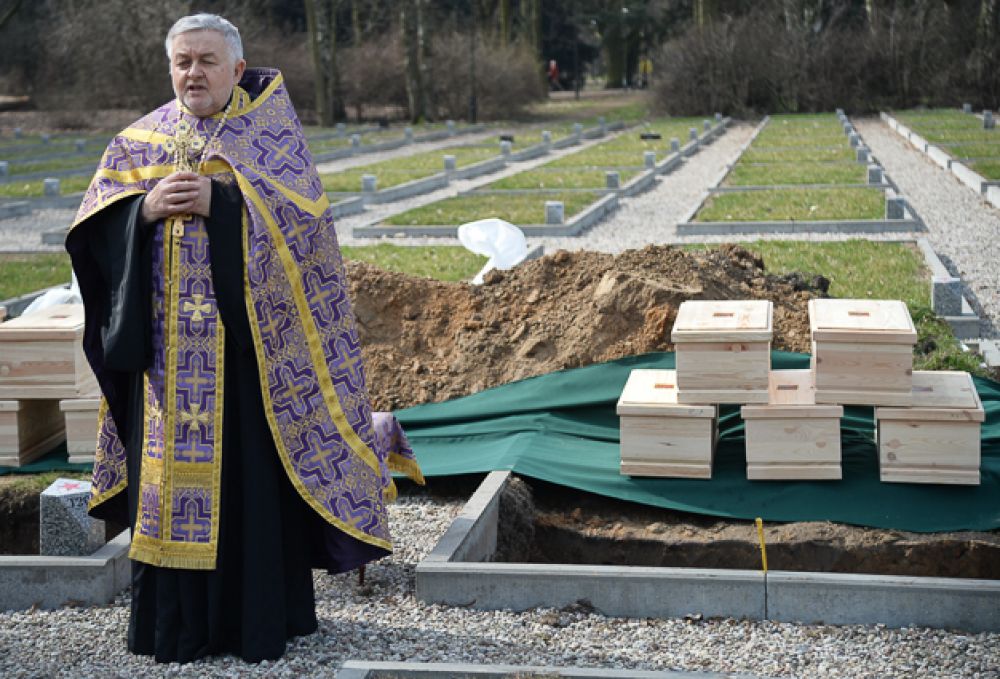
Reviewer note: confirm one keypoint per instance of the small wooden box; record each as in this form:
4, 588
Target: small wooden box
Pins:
41, 356
723, 351
660, 437
791, 437
937, 440
81, 427
862, 351
28, 430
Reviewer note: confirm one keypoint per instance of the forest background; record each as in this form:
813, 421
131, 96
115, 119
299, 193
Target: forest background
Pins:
426, 60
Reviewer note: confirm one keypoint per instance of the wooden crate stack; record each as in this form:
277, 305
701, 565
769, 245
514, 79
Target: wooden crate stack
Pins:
41, 363
928, 423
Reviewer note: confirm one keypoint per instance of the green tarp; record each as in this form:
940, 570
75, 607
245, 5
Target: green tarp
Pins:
562, 428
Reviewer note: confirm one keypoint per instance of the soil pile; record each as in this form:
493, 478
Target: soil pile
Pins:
427, 341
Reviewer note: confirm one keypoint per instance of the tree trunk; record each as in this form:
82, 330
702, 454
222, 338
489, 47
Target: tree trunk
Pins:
704, 12
409, 20
323, 112
506, 21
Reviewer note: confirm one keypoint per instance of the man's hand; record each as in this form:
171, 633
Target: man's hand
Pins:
177, 194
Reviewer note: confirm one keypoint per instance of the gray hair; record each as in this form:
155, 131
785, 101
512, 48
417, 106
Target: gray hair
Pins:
207, 22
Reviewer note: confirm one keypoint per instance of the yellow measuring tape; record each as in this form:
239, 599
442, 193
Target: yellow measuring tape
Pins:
763, 547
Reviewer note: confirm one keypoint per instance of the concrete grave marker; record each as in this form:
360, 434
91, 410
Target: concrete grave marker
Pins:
649, 159
612, 179
894, 207
369, 183
854, 139
554, 212
505, 147
675, 145
863, 155
546, 137
45, 138
18, 133
4, 168
408, 134
602, 124
50, 187
355, 140
449, 163
966, 108
341, 129
81, 145
693, 133
450, 126
718, 117
707, 124
988, 122
577, 130
64, 529
946, 295
874, 174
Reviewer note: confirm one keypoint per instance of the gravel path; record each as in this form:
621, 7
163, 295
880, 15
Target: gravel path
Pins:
383, 621
962, 227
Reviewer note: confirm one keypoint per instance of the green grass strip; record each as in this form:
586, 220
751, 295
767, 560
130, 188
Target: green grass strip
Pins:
793, 204
792, 155
990, 169
974, 150
401, 170
35, 189
946, 136
88, 161
560, 178
440, 262
774, 174
514, 208
21, 274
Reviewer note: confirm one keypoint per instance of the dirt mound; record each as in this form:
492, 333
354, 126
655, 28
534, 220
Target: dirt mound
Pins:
427, 341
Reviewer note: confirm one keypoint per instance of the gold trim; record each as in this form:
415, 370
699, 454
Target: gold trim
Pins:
279, 442
264, 96
405, 465
144, 136
220, 375
95, 497
309, 327
314, 207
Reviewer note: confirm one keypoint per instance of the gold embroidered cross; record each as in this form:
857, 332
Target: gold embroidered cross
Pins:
281, 153
199, 379
184, 141
191, 527
195, 418
199, 306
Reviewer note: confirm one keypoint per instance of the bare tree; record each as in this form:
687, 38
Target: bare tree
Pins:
414, 49
321, 24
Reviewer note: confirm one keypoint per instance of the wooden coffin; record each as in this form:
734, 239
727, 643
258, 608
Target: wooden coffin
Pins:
862, 351
659, 436
41, 356
28, 430
723, 351
937, 439
792, 437
81, 427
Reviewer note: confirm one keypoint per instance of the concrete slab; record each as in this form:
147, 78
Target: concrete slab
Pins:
939, 156
993, 196
968, 176
53, 581
360, 669
408, 190
690, 228
347, 206
17, 208
478, 169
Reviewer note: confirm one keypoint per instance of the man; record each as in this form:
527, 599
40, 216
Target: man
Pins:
236, 435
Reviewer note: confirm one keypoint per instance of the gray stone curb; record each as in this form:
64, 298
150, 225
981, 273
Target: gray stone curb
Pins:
690, 228
350, 151
360, 669
407, 190
54, 581
782, 187
530, 153
347, 206
13, 209
948, 296
459, 572
478, 169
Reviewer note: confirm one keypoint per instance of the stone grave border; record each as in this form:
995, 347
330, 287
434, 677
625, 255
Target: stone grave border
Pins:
459, 572
948, 295
372, 669
583, 220
54, 581
910, 222
349, 151
990, 189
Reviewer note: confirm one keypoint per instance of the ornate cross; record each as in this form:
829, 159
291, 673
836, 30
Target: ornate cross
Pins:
181, 145
199, 306
195, 418
191, 527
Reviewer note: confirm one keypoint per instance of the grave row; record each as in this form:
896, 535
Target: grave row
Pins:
927, 422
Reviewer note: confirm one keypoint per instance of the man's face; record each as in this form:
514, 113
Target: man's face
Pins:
203, 71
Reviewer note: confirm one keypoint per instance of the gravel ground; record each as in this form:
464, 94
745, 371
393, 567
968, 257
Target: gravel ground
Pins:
962, 227
383, 621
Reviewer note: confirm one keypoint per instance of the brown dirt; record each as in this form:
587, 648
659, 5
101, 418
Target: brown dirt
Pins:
426, 341
542, 523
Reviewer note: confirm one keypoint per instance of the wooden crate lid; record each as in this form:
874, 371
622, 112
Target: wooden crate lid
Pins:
940, 395
791, 393
861, 320
74, 404
654, 392
63, 321
747, 320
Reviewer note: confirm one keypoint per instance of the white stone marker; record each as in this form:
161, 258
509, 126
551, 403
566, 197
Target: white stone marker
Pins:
649, 159
707, 124
988, 122
612, 179
50, 187
64, 529
966, 108
863, 155
81, 145
45, 138
554, 212
718, 117
675, 145
505, 148
449, 163
693, 133
854, 139
408, 134
341, 129
18, 133
546, 137
577, 129
450, 126
355, 140
874, 174
4, 168
369, 183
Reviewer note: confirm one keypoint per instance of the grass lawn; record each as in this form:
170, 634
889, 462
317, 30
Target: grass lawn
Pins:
952, 120
92, 150
516, 209
766, 140
88, 161
598, 156
35, 189
990, 169
440, 262
772, 174
559, 178
401, 170
21, 274
972, 135
793, 204
793, 155
984, 150
862, 269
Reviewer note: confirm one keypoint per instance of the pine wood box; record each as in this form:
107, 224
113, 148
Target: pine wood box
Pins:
28, 430
81, 428
791, 437
41, 356
862, 351
937, 440
660, 437
723, 351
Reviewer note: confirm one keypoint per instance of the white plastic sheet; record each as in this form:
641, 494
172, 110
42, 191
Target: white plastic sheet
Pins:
501, 241
49, 298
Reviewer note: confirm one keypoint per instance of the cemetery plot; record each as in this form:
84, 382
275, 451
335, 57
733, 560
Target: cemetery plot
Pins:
404, 169
801, 172
36, 188
516, 208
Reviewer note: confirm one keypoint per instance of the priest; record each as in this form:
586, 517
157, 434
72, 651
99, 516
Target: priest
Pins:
236, 436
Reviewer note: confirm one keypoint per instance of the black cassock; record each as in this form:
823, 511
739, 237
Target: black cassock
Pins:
261, 592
